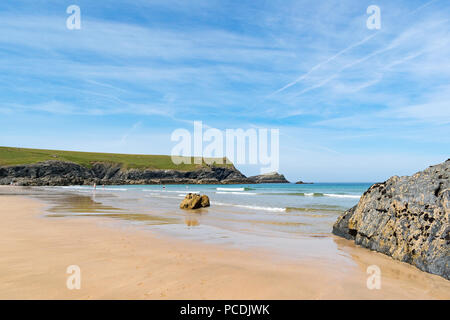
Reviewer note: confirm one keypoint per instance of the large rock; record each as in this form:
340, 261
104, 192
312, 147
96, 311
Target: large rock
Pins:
406, 218
272, 177
194, 201
53, 173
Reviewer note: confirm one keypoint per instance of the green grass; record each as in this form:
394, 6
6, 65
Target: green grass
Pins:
16, 156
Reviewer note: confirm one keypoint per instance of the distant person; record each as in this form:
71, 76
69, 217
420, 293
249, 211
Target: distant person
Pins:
95, 186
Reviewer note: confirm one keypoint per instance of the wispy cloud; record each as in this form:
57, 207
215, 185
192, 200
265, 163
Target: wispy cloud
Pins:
317, 66
310, 68
133, 128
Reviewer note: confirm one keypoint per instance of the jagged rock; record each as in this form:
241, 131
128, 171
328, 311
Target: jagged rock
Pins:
194, 201
272, 177
208, 181
237, 181
54, 173
406, 218
204, 201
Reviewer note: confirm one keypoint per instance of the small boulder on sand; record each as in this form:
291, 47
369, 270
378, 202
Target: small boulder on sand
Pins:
195, 201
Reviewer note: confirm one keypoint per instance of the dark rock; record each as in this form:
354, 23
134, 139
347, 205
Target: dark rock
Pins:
272, 177
406, 218
61, 173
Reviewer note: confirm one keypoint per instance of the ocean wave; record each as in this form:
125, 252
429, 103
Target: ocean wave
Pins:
300, 194
303, 209
353, 196
230, 189
273, 209
185, 192
91, 188
74, 187
312, 194
158, 195
234, 192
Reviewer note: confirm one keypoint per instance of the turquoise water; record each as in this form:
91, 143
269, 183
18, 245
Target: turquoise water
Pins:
267, 215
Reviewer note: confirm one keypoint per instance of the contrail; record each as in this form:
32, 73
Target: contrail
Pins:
304, 76
389, 47
421, 7
317, 66
400, 61
342, 69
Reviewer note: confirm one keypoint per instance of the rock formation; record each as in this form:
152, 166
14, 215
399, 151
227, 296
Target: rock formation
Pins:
406, 218
194, 201
272, 177
61, 173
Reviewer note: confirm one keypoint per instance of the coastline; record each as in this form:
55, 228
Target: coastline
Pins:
66, 173
120, 261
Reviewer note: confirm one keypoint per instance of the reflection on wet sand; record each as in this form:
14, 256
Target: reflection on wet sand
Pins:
78, 204
147, 219
191, 221
70, 205
266, 222
131, 263
393, 272
305, 219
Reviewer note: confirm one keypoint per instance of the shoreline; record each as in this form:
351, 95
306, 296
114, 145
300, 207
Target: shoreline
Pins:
63, 173
120, 261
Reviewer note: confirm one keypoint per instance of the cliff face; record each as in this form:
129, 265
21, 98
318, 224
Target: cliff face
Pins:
272, 177
52, 173
406, 218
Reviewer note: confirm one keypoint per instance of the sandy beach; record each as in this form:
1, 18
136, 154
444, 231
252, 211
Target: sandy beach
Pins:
126, 262
225, 150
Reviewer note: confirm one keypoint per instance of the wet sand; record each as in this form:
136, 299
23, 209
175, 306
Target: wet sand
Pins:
120, 261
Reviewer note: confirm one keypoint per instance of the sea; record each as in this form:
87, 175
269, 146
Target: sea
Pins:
268, 216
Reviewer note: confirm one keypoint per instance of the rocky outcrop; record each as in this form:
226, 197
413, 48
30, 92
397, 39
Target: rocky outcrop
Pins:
272, 177
301, 182
195, 201
61, 173
406, 218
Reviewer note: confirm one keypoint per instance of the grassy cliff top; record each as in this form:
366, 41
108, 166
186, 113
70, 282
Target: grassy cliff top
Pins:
19, 156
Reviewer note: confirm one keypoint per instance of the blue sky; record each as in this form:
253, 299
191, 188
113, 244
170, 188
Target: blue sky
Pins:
351, 104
